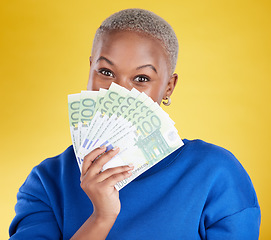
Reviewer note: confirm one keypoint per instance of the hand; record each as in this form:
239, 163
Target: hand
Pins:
99, 186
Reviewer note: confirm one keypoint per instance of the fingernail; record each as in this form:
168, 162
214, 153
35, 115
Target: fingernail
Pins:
130, 171
115, 148
130, 165
102, 147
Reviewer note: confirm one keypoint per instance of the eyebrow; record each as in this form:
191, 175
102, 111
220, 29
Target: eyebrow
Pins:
147, 65
143, 66
104, 58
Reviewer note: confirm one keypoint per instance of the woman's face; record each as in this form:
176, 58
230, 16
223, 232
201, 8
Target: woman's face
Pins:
131, 60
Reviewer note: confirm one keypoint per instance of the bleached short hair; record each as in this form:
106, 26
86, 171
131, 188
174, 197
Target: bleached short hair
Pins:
143, 21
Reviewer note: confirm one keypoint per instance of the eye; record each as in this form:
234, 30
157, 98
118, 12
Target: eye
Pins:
106, 72
141, 78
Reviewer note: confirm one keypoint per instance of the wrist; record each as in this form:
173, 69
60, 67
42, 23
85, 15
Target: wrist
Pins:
95, 228
101, 218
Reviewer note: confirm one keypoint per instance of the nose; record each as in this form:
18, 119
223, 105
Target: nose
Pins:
124, 82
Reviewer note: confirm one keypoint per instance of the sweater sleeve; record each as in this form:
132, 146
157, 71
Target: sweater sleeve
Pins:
34, 218
231, 210
243, 225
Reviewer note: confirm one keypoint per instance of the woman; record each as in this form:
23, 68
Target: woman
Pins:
200, 191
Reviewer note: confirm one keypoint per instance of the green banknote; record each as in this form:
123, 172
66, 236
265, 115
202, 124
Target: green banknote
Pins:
140, 108
97, 116
123, 118
110, 120
121, 126
86, 112
143, 121
73, 106
104, 102
154, 137
127, 106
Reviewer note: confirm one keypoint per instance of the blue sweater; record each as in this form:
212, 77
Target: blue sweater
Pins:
200, 191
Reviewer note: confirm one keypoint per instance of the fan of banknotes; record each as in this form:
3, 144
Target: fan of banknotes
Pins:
130, 120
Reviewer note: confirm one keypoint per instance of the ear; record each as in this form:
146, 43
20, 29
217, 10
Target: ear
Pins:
171, 85
89, 82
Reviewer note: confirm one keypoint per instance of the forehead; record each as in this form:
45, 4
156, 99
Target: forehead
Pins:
130, 46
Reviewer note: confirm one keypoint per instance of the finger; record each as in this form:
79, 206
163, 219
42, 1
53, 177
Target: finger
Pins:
88, 159
101, 161
113, 171
114, 179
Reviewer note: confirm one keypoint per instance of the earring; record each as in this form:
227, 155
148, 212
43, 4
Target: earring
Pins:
168, 101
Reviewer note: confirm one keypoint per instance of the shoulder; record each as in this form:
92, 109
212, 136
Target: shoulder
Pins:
217, 163
56, 165
41, 197
228, 186
205, 149
215, 158
59, 160
51, 173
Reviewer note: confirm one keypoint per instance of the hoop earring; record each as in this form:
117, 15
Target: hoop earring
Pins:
168, 101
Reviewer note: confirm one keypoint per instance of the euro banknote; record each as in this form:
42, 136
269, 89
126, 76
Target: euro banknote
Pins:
130, 120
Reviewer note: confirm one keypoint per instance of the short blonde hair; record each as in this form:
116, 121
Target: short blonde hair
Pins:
143, 21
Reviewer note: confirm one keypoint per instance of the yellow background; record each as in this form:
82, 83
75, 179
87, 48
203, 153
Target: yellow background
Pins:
223, 94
